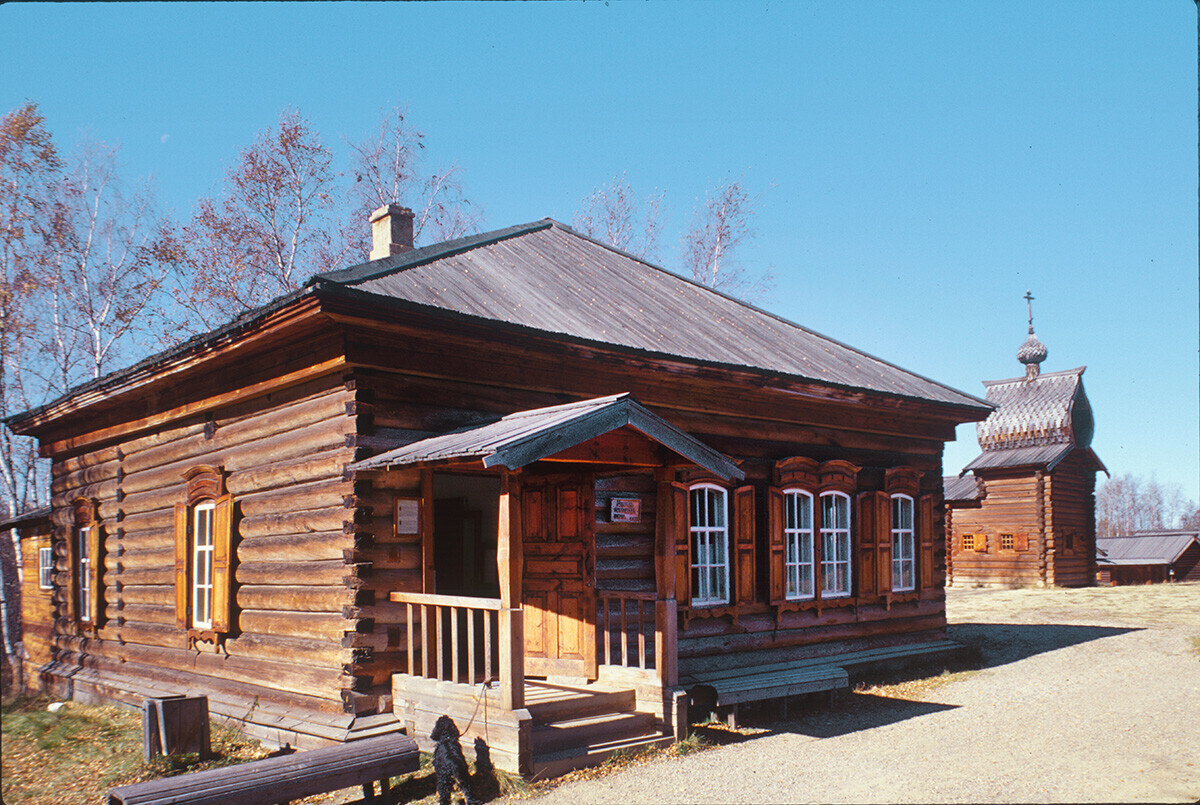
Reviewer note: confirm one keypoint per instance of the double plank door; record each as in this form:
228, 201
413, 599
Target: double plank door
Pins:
558, 589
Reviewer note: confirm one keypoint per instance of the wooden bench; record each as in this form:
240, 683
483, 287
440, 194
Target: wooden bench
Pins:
284, 778
734, 684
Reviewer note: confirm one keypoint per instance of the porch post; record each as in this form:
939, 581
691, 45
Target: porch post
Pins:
666, 658
510, 561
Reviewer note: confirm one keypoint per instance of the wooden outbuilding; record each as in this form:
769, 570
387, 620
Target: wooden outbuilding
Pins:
34, 605
1149, 557
1023, 513
522, 478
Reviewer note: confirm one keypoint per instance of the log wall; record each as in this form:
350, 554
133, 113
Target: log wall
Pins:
1053, 513
293, 594
37, 608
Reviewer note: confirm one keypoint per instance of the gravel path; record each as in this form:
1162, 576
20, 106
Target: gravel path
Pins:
1086, 695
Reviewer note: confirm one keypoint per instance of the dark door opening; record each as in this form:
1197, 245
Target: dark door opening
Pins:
465, 522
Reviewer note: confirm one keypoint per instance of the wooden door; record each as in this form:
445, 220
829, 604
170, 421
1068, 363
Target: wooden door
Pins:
558, 591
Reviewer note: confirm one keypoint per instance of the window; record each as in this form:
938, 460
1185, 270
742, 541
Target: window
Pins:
968, 542
84, 569
710, 545
45, 568
904, 568
1007, 542
835, 544
202, 565
203, 552
798, 539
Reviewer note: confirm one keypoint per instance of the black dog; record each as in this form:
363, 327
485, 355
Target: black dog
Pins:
448, 762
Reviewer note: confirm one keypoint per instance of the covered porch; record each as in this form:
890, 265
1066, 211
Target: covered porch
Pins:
549, 667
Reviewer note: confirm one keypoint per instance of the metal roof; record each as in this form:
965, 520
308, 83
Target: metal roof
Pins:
1145, 547
961, 488
1046, 410
26, 518
526, 436
546, 276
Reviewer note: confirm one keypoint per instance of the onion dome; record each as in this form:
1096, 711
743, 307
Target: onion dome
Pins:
1032, 350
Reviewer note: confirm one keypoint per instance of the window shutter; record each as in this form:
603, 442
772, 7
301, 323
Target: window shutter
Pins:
1020, 542
925, 537
683, 545
981, 543
222, 563
72, 564
868, 530
95, 546
883, 536
777, 551
744, 565
181, 565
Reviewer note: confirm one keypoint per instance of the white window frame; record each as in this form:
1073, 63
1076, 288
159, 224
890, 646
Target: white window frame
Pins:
82, 540
46, 568
710, 545
202, 564
903, 544
796, 537
836, 578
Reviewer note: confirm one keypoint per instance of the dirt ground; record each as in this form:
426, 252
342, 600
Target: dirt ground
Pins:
1088, 695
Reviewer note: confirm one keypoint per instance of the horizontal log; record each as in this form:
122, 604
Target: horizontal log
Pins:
294, 598
86, 476
395, 556
145, 522
312, 625
140, 614
146, 575
149, 594
82, 461
289, 649
286, 473
317, 520
139, 559
316, 495
319, 546
327, 572
161, 463
150, 540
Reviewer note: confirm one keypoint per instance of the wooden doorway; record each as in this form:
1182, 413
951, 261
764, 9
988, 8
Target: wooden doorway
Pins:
559, 590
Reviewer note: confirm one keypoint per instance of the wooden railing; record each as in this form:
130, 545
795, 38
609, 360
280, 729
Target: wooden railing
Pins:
626, 629
452, 638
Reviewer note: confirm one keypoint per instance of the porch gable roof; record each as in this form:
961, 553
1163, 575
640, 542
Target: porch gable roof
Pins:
524, 437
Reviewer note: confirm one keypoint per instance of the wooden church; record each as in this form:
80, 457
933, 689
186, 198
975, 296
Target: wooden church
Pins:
521, 478
1024, 512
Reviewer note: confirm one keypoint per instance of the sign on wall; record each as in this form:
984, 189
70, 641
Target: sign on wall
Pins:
625, 510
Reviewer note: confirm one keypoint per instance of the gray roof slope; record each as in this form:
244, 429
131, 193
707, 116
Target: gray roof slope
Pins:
546, 276
961, 488
1145, 547
527, 436
1049, 409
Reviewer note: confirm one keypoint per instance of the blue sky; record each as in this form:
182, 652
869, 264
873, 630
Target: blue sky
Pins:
919, 165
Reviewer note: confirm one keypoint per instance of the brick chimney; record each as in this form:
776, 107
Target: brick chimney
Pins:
391, 231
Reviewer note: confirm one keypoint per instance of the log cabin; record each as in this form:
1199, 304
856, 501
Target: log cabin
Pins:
1149, 557
1023, 513
522, 478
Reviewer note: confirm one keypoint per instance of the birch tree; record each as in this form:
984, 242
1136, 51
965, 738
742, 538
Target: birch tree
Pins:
709, 249
268, 231
389, 168
613, 214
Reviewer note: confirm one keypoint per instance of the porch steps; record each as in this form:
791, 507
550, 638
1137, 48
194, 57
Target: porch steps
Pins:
561, 761
547, 703
591, 730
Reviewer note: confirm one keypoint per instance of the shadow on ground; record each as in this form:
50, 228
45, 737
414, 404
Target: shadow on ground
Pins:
1003, 643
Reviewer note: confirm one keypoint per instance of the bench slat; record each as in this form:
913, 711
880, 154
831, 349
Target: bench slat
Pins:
271, 780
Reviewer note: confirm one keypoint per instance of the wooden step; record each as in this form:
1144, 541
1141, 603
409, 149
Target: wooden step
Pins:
591, 730
547, 704
555, 764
